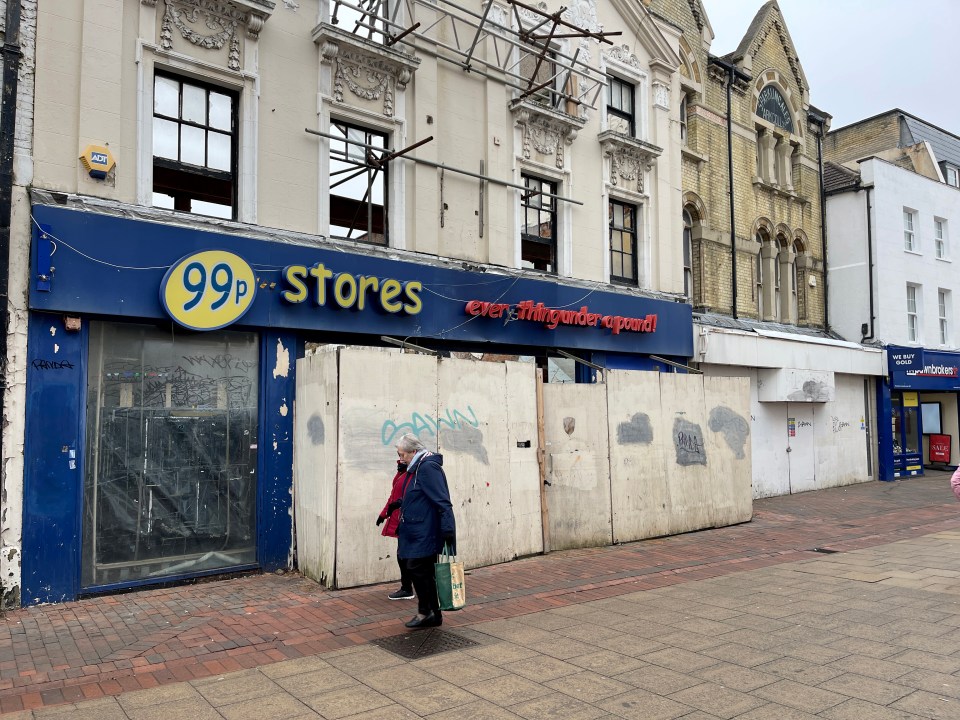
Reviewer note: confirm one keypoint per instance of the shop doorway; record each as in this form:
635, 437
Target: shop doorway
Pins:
801, 458
171, 468
907, 432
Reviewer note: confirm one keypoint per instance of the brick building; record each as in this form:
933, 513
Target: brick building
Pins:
754, 251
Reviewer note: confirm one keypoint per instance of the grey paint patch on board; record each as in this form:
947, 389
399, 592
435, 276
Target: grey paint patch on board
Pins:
637, 431
467, 440
813, 391
734, 427
315, 429
688, 442
569, 425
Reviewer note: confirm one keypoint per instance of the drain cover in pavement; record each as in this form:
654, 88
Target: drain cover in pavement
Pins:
424, 643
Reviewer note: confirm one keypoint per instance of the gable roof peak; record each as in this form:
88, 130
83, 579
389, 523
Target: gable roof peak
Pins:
770, 18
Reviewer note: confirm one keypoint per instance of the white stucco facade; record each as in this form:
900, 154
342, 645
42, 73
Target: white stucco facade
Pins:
892, 192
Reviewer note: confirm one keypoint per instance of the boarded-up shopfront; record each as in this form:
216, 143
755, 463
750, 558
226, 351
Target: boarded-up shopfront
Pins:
640, 455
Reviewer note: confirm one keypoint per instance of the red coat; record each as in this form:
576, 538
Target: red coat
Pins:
393, 520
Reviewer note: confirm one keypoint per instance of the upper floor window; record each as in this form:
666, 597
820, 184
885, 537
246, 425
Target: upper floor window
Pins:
953, 176
758, 279
943, 310
620, 107
909, 235
623, 242
778, 297
538, 232
688, 223
913, 314
683, 119
540, 72
366, 18
358, 183
940, 238
194, 147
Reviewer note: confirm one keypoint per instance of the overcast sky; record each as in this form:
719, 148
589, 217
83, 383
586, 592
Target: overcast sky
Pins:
863, 57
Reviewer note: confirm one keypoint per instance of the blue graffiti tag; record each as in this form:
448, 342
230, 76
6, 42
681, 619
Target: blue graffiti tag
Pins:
424, 422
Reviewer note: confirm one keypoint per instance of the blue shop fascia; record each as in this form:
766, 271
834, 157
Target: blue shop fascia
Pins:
918, 417
161, 378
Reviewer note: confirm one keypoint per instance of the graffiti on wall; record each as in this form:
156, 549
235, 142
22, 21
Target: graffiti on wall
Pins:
688, 442
462, 431
315, 429
636, 431
732, 426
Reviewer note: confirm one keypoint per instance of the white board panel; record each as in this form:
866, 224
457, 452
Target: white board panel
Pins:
640, 491
383, 394
840, 435
524, 470
728, 440
578, 465
800, 440
688, 470
471, 419
315, 464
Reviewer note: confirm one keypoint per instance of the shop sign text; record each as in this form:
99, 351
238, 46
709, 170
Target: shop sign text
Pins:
551, 318
350, 292
208, 290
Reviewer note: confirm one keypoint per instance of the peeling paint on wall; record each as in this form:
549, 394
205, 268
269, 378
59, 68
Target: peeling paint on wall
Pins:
315, 429
284, 410
735, 428
637, 431
282, 368
688, 442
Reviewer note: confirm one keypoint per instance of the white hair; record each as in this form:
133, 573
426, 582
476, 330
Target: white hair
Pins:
410, 443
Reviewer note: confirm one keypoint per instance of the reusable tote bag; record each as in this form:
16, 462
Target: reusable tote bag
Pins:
451, 591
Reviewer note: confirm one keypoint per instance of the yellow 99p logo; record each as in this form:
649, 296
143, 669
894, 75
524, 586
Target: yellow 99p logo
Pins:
208, 290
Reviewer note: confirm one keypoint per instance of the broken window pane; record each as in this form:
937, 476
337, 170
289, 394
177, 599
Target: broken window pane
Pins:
170, 474
358, 208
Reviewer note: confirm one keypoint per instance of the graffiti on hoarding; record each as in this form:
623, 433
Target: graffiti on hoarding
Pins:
420, 422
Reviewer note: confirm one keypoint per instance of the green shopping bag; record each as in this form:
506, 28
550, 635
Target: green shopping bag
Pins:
451, 591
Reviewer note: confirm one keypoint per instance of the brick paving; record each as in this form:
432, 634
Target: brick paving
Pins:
105, 646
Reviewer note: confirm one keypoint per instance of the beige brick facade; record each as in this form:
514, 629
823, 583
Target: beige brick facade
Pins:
788, 206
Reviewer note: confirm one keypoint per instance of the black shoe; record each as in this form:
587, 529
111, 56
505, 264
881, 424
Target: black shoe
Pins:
401, 594
425, 621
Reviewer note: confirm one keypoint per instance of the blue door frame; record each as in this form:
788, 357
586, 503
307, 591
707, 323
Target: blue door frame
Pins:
55, 450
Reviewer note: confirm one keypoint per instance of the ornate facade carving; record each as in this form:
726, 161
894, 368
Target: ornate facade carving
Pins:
366, 70
622, 54
661, 95
630, 160
368, 78
545, 131
583, 14
213, 24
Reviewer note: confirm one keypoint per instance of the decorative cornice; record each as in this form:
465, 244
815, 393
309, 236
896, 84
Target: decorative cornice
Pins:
368, 70
630, 159
545, 130
622, 54
661, 95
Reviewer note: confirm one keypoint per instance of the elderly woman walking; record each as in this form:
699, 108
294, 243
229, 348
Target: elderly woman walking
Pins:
426, 525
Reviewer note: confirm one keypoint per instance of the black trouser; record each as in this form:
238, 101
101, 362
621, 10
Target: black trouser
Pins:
421, 573
405, 583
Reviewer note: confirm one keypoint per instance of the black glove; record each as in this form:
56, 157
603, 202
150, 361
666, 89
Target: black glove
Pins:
380, 520
450, 542
395, 505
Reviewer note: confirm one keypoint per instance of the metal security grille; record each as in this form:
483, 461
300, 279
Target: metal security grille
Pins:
424, 643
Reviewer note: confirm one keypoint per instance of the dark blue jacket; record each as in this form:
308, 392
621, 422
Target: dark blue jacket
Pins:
426, 514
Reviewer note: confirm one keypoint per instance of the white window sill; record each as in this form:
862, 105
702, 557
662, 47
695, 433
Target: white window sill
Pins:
944, 259
913, 252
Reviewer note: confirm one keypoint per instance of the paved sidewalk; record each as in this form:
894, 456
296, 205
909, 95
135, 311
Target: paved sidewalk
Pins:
904, 599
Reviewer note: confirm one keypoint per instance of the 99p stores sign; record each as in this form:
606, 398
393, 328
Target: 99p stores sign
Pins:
208, 290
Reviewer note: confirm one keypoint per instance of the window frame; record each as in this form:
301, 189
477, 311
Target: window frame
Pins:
683, 119
913, 315
940, 238
910, 243
758, 266
631, 232
688, 224
953, 173
943, 313
617, 112
380, 174
529, 240
167, 171
550, 94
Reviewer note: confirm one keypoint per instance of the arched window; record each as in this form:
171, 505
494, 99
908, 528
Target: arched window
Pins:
758, 268
688, 254
782, 296
799, 292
